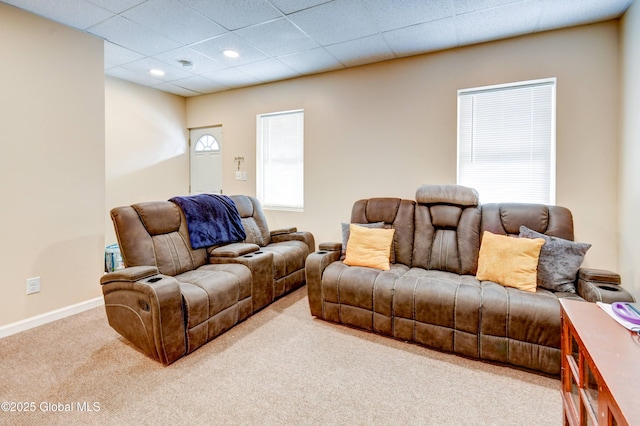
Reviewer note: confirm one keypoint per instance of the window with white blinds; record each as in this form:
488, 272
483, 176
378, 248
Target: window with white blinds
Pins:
280, 160
506, 141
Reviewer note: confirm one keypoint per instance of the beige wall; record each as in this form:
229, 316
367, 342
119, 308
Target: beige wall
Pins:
147, 158
51, 164
385, 129
630, 150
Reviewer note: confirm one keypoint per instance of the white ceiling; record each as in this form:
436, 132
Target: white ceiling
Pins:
280, 39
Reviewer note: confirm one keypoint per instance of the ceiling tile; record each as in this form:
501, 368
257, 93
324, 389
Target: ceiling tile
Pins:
422, 38
576, 12
198, 84
117, 55
278, 37
335, 22
465, 6
122, 31
170, 72
234, 14
117, 6
268, 70
290, 6
201, 63
500, 22
74, 13
362, 51
144, 79
231, 78
393, 15
176, 90
311, 61
213, 48
174, 20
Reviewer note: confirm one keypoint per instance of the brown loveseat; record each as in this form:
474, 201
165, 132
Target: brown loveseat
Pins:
171, 299
430, 294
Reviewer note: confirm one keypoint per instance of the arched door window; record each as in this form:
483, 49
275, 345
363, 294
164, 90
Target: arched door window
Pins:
207, 143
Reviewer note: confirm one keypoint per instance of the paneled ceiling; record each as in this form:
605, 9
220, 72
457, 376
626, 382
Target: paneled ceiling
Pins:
281, 39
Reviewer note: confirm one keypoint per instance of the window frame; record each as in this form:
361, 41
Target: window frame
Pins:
260, 165
552, 82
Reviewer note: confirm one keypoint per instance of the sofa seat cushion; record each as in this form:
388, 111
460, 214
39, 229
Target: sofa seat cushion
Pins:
520, 327
217, 287
439, 309
360, 296
288, 257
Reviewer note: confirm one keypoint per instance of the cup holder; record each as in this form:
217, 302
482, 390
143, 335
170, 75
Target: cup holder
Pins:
321, 252
608, 288
259, 252
248, 255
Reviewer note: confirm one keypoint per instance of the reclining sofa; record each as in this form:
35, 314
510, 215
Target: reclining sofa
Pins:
170, 299
430, 294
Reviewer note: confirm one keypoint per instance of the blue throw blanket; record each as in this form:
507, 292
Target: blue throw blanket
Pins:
211, 219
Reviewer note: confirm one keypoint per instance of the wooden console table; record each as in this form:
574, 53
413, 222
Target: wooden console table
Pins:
600, 368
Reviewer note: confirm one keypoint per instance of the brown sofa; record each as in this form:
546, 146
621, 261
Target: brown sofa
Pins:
430, 294
171, 299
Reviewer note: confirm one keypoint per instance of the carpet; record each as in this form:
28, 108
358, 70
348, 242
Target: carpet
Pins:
279, 367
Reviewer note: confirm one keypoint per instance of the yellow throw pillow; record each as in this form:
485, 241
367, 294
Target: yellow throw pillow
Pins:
369, 247
509, 261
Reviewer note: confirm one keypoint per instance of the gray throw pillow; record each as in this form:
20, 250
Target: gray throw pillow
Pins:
559, 261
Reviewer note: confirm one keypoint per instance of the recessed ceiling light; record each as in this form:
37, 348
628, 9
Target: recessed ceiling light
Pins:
230, 53
157, 72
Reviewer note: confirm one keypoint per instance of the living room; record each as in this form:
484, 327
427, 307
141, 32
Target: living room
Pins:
76, 144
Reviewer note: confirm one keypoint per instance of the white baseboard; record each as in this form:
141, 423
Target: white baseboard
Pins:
26, 324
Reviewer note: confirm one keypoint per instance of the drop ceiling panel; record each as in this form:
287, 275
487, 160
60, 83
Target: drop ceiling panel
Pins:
557, 14
277, 37
74, 13
234, 14
231, 77
416, 39
268, 70
124, 32
303, 36
201, 63
393, 15
115, 55
176, 90
290, 6
335, 22
143, 66
362, 51
116, 6
214, 47
499, 22
198, 84
311, 61
174, 20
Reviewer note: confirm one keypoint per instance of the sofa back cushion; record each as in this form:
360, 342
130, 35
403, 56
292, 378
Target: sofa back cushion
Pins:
397, 214
156, 234
253, 219
447, 229
506, 219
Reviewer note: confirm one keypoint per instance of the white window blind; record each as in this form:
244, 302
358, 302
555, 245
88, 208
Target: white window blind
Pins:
506, 141
280, 160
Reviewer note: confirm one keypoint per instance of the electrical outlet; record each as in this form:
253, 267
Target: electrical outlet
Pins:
33, 285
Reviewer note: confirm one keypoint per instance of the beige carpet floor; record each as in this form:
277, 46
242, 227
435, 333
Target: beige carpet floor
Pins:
280, 367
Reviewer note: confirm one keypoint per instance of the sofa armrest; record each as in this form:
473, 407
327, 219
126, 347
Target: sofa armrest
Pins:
598, 285
284, 231
315, 265
232, 250
304, 236
146, 308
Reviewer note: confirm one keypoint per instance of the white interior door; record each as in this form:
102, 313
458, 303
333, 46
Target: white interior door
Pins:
206, 160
